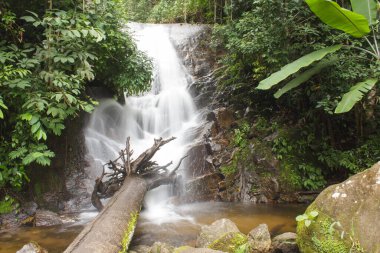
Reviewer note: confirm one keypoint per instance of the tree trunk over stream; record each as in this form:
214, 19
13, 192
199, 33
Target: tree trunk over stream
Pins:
113, 228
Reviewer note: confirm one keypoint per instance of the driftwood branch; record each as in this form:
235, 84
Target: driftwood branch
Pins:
123, 166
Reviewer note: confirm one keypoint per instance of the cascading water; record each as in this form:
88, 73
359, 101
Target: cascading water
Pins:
167, 110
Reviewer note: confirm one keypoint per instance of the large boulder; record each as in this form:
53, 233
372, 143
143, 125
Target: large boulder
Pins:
259, 239
214, 231
344, 217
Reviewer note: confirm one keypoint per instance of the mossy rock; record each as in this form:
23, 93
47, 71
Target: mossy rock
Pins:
348, 217
229, 242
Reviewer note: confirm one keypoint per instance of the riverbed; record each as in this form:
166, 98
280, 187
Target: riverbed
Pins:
178, 228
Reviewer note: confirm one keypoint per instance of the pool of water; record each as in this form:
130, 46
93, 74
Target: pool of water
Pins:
179, 226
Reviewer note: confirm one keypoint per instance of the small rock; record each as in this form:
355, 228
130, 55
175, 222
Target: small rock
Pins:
32, 247
30, 208
140, 249
44, 218
259, 239
214, 231
285, 243
160, 247
187, 249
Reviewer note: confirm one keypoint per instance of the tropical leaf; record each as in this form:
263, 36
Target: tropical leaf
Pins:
355, 94
367, 8
295, 66
340, 18
302, 78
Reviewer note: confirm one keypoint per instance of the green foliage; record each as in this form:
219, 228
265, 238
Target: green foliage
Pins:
240, 141
44, 74
367, 8
8, 204
340, 18
295, 66
169, 11
307, 218
355, 94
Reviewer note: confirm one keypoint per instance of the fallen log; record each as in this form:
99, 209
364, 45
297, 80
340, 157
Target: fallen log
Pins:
128, 182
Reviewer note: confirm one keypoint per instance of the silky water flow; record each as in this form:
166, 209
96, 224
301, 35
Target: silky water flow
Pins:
166, 110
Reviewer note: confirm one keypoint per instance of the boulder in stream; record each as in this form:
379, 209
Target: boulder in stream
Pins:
259, 239
214, 231
345, 217
32, 247
285, 243
160, 247
230, 242
44, 218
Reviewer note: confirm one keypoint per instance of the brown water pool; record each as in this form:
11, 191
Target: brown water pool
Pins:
180, 227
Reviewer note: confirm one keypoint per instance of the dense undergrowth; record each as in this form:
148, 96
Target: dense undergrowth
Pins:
50, 53
313, 144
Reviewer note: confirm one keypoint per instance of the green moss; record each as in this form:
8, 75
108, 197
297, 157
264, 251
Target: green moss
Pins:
229, 242
324, 235
181, 249
128, 234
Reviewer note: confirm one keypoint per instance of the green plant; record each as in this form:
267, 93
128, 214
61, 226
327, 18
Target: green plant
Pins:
307, 218
8, 204
355, 24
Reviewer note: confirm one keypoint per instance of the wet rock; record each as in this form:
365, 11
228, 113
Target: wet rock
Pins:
160, 247
140, 249
285, 243
224, 117
259, 239
229, 242
187, 249
348, 214
210, 233
30, 207
203, 188
197, 163
44, 218
32, 247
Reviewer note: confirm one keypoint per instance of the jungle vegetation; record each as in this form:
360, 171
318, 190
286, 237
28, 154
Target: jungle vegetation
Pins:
51, 51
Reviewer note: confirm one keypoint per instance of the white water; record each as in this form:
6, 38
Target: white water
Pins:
167, 110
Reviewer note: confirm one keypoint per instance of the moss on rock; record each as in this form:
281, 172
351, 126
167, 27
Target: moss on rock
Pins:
129, 233
229, 242
324, 235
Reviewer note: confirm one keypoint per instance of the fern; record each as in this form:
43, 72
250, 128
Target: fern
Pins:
355, 94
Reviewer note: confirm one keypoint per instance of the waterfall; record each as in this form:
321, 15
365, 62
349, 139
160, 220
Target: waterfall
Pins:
166, 110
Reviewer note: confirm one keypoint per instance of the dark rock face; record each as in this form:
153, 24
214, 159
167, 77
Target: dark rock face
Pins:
351, 211
203, 188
